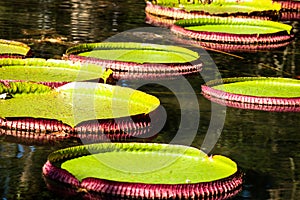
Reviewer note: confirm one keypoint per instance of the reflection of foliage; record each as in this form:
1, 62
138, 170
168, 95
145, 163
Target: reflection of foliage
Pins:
21, 177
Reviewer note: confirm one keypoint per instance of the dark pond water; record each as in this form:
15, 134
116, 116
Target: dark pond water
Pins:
265, 145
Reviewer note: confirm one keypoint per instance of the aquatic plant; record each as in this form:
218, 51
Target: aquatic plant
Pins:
138, 60
144, 170
93, 111
259, 93
193, 9
51, 72
234, 33
13, 49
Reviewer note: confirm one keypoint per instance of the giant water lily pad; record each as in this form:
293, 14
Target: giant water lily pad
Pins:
271, 94
50, 72
236, 33
221, 7
193, 9
155, 170
10, 48
76, 107
138, 60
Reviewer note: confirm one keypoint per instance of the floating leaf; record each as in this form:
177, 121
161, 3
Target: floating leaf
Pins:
138, 60
192, 9
221, 7
229, 33
70, 104
9, 48
135, 52
51, 70
272, 92
234, 25
156, 170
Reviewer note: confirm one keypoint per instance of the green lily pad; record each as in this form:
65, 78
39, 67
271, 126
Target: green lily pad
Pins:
151, 164
234, 34
244, 29
263, 87
51, 70
233, 7
238, 26
9, 47
159, 171
255, 93
74, 102
135, 52
223, 7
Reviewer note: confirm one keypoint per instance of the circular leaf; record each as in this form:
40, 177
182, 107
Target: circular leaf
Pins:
232, 30
147, 167
271, 92
135, 52
13, 48
132, 60
192, 9
73, 103
51, 70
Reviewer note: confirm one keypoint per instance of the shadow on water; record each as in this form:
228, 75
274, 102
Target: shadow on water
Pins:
264, 144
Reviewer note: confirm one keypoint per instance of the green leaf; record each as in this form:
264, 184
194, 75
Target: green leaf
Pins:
149, 163
262, 87
221, 6
13, 47
135, 52
51, 70
234, 25
74, 102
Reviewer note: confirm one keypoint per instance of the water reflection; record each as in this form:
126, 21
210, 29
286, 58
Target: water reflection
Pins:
277, 63
265, 145
64, 23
